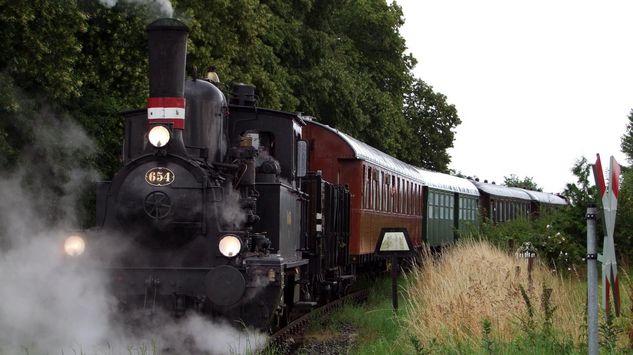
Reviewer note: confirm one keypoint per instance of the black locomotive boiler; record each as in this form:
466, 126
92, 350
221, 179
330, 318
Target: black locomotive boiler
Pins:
209, 213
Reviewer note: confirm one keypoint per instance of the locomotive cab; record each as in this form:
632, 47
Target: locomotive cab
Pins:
275, 135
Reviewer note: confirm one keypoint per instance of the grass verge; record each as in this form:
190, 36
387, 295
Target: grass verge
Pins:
476, 299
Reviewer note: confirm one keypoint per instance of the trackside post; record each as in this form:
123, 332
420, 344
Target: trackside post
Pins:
592, 283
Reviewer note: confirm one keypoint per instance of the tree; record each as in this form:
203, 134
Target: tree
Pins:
40, 52
627, 139
580, 196
41, 45
527, 182
343, 61
347, 65
624, 220
432, 121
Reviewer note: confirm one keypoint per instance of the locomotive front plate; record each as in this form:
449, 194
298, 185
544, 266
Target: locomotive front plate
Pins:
159, 176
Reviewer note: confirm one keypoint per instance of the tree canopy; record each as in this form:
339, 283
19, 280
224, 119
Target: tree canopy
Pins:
431, 120
525, 183
341, 61
627, 139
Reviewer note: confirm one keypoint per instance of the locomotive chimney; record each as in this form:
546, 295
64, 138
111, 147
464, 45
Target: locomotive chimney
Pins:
167, 39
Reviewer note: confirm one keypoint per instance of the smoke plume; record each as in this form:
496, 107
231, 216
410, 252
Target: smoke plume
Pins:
162, 7
231, 212
51, 304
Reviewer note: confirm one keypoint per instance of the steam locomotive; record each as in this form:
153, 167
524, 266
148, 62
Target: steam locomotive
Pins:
252, 214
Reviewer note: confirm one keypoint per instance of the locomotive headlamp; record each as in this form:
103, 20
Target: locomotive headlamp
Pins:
159, 136
74, 245
230, 245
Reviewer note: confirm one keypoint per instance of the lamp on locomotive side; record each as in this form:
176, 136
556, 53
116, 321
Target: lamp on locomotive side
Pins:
395, 243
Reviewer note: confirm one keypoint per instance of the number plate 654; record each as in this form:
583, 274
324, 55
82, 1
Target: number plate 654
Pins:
159, 176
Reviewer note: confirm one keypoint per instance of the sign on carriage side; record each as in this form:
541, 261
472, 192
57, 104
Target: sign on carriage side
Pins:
609, 198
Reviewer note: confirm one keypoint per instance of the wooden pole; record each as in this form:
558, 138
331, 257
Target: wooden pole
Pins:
395, 266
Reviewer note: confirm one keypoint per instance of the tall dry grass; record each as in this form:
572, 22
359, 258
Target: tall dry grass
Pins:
451, 296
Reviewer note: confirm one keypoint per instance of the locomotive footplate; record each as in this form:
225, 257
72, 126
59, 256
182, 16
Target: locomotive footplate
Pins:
274, 277
251, 294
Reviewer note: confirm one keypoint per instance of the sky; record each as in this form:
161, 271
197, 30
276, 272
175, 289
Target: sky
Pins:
537, 84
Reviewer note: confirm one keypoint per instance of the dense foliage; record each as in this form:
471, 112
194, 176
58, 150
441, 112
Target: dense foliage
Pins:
624, 219
525, 183
343, 62
627, 139
560, 235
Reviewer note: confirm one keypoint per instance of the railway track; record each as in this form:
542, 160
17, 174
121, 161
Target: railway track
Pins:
296, 327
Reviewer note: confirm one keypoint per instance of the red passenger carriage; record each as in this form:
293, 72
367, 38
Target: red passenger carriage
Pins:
385, 192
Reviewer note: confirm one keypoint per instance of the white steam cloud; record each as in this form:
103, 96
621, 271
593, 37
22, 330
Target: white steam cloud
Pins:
45, 304
231, 212
49, 304
164, 7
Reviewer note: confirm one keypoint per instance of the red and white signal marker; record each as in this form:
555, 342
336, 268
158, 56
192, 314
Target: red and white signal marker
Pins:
609, 198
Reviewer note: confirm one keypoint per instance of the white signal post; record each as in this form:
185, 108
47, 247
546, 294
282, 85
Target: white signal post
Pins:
609, 197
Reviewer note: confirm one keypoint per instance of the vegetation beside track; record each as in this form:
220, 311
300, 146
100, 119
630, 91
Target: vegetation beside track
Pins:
472, 300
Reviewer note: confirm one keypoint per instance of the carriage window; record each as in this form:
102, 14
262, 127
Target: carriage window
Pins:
414, 200
409, 197
365, 186
368, 187
373, 177
381, 188
447, 207
393, 194
411, 201
396, 200
419, 202
418, 199
387, 187
404, 196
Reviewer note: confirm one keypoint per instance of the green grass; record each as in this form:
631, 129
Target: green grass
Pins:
380, 330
